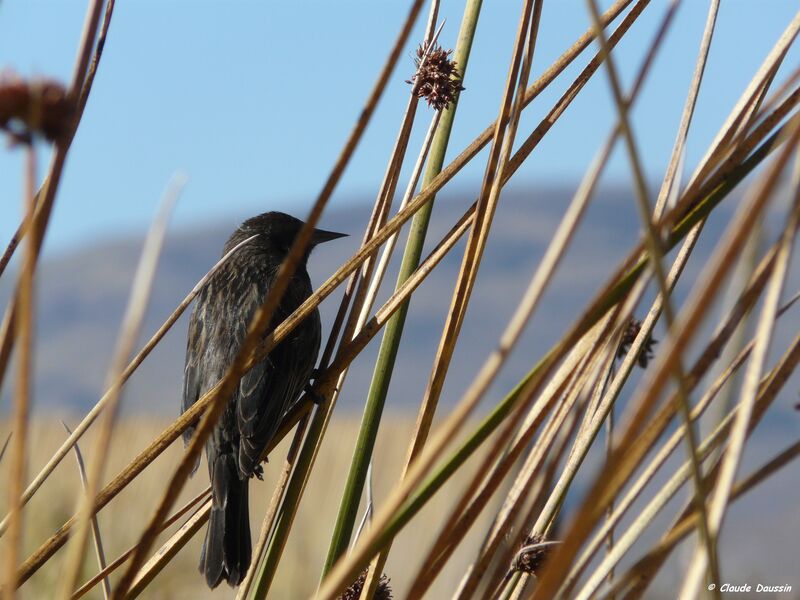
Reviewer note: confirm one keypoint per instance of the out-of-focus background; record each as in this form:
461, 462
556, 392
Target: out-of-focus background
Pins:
230, 96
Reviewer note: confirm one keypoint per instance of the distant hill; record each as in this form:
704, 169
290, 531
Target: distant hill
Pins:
82, 296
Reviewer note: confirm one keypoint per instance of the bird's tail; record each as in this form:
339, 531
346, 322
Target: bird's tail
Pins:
227, 547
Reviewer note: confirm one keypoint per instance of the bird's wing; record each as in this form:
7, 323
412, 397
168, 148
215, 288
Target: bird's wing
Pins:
267, 390
192, 371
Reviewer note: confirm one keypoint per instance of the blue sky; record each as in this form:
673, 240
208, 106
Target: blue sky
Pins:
253, 100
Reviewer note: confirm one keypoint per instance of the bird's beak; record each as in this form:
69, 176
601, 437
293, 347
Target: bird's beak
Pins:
320, 236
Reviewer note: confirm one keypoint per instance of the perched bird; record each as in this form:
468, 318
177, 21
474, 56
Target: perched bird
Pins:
217, 327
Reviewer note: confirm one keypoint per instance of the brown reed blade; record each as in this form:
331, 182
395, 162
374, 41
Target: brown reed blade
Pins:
365, 287
203, 497
646, 567
502, 143
636, 489
587, 185
642, 573
766, 324
98, 539
656, 255
269, 518
617, 469
672, 175
592, 176
25, 299
129, 331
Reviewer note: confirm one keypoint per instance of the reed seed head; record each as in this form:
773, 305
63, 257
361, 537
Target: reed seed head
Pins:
383, 592
437, 80
631, 331
34, 106
530, 560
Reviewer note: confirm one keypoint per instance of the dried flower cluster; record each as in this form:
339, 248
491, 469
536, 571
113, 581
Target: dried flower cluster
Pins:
631, 331
34, 106
531, 561
383, 592
437, 80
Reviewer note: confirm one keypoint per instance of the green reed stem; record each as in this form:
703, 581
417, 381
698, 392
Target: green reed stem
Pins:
384, 365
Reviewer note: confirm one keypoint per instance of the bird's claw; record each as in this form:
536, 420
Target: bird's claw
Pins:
315, 396
258, 472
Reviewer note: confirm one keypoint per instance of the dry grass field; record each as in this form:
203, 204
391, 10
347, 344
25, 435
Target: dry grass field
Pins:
122, 520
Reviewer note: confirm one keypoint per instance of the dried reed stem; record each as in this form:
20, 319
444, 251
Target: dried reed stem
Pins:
656, 251
642, 572
203, 496
98, 540
129, 331
749, 391
687, 322
618, 285
646, 567
26, 301
269, 518
655, 430
671, 181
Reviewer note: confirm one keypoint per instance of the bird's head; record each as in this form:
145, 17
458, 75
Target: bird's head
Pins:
276, 231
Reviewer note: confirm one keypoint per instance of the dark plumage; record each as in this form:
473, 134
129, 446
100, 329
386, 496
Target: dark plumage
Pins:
217, 327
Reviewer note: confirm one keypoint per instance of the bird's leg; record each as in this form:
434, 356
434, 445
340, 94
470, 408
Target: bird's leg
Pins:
315, 396
258, 471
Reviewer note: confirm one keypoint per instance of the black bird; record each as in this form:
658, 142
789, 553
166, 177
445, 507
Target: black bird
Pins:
217, 327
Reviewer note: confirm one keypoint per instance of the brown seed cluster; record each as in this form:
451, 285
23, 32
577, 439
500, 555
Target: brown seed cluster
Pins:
631, 331
437, 80
383, 592
34, 106
531, 561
